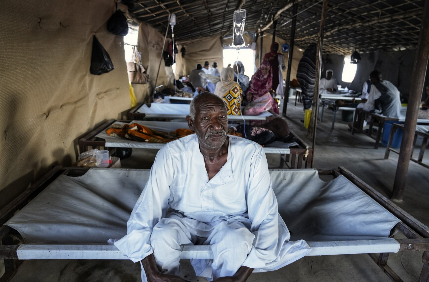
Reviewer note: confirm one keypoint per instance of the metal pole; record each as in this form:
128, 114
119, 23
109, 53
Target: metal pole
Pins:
313, 122
274, 31
160, 60
417, 84
290, 58
260, 49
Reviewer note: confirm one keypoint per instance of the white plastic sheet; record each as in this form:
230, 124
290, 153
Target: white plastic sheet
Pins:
165, 110
96, 206
118, 142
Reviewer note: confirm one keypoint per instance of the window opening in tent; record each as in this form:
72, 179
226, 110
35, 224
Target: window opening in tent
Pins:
130, 42
349, 70
245, 55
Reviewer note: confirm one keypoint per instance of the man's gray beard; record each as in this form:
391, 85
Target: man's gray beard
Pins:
224, 135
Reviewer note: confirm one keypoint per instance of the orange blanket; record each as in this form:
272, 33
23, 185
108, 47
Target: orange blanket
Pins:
142, 133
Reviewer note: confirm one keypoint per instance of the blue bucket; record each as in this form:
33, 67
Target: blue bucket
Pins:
397, 138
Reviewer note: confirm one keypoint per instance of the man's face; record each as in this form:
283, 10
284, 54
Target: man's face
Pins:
211, 123
206, 67
329, 75
374, 80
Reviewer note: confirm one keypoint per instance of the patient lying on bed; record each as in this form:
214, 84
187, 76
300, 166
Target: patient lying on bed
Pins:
209, 188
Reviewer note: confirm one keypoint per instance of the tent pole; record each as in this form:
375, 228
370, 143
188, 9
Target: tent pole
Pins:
160, 60
260, 49
274, 31
417, 84
290, 57
313, 122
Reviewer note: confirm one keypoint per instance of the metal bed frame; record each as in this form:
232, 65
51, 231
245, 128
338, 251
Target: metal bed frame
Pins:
301, 157
416, 233
425, 136
133, 114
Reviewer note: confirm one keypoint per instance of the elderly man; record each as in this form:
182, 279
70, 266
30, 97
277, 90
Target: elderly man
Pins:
328, 84
209, 188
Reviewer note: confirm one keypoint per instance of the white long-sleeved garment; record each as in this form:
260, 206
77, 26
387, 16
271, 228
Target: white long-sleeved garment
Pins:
325, 84
240, 192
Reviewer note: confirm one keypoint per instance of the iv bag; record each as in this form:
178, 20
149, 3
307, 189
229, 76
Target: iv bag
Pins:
238, 28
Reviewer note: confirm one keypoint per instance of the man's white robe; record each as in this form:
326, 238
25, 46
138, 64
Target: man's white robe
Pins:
240, 193
325, 84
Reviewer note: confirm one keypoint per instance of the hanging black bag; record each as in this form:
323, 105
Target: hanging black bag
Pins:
100, 60
117, 24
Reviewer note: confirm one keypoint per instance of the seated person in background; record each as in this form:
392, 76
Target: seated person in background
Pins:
206, 67
388, 99
424, 110
196, 79
214, 70
329, 84
243, 80
209, 188
229, 91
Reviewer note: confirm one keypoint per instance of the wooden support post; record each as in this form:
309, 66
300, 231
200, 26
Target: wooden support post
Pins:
260, 49
417, 83
290, 58
274, 31
313, 122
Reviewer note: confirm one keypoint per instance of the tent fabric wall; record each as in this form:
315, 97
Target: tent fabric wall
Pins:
396, 67
211, 49
150, 44
197, 52
48, 98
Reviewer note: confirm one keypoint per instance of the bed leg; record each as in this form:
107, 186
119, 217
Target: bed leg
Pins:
282, 161
424, 276
10, 265
382, 259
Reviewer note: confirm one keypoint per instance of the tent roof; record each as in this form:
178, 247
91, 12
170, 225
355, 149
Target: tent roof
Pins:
366, 25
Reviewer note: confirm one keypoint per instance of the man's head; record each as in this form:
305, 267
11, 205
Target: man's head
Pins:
329, 74
208, 118
214, 65
199, 67
206, 65
375, 76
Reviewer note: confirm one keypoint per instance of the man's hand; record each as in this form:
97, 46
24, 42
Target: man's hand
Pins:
330, 90
240, 276
152, 273
364, 100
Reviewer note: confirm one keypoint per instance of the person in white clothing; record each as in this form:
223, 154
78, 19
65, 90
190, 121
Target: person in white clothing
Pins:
214, 70
206, 67
329, 84
209, 188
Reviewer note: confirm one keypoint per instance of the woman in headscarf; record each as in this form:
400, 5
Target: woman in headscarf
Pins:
266, 78
229, 91
243, 80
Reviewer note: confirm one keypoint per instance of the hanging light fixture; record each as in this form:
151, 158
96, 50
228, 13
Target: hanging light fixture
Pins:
355, 57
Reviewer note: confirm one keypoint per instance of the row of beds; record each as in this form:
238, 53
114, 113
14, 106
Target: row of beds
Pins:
34, 228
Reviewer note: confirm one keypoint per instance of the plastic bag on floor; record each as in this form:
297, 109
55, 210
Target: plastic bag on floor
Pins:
100, 59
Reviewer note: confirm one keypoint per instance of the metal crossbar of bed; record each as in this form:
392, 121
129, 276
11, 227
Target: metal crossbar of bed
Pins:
295, 157
424, 135
13, 250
